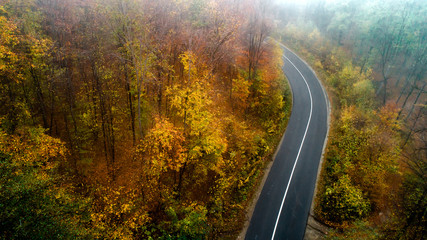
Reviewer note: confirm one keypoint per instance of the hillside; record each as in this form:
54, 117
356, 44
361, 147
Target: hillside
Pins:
135, 119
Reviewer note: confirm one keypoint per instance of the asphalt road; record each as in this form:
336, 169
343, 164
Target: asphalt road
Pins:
284, 204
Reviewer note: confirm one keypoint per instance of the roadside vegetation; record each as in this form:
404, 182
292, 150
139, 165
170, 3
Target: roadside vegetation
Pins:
372, 59
135, 119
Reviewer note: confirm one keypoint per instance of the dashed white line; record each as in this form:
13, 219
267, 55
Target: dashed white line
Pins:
299, 151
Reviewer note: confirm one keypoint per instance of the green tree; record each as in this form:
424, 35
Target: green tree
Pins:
344, 202
36, 202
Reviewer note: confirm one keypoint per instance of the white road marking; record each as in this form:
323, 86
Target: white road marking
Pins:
299, 151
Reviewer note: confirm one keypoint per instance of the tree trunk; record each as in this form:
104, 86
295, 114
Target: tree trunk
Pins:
416, 101
402, 90
406, 100
132, 114
412, 127
40, 97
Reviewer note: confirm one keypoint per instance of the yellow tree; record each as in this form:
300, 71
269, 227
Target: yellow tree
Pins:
22, 69
191, 100
379, 159
161, 155
11, 72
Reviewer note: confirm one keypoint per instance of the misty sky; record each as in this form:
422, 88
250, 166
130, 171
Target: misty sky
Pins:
299, 1
292, 1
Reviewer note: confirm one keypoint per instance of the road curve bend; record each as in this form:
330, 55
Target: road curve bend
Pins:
282, 209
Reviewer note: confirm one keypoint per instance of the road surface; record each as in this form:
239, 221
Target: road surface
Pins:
284, 204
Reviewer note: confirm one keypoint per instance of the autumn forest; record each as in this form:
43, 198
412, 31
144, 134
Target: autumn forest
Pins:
140, 119
372, 57
134, 119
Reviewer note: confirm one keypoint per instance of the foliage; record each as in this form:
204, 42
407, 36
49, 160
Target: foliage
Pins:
193, 225
371, 55
365, 146
166, 111
363, 153
22, 58
358, 230
267, 91
409, 221
116, 213
36, 203
344, 202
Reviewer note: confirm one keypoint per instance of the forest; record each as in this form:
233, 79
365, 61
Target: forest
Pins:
135, 119
139, 119
372, 58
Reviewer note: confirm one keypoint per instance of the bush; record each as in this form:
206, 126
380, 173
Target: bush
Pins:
343, 202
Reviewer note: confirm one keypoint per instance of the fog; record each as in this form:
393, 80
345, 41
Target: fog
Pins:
386, 37
302, 2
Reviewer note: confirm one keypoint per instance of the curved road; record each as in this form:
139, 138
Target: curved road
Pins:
284, 204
